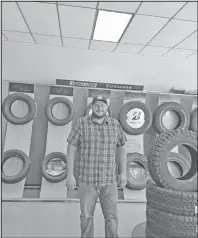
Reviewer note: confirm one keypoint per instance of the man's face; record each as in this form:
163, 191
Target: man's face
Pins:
99, 109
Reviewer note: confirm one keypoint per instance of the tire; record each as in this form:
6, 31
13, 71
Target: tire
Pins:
147, 117
6, 108
132, 181
184, 117
170, 225
52, 119
158, 155
48, 177
26, 166
170, 201
193, 121
181, 161
88, 108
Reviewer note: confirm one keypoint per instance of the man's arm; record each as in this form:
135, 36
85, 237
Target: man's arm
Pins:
71, 150
121, 159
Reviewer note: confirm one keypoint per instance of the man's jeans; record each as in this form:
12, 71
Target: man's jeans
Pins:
108, 196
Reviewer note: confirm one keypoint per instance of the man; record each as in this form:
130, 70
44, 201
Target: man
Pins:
98, 137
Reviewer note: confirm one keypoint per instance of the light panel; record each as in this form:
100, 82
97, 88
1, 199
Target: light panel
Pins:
110, 25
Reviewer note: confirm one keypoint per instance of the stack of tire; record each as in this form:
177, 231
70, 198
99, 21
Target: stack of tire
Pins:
171, 202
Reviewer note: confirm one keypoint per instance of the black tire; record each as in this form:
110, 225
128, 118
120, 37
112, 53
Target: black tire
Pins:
158, 155
88, 108
148, 117
6, 108
170, 225
183, 116
193, 121
168, 200
26, 166
183, 162
52, 119
132, 181
48, 177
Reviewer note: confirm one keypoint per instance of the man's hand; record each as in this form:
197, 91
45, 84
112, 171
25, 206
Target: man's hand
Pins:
71, 182
122, 180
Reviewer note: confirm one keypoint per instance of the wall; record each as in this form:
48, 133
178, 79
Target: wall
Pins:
44, 64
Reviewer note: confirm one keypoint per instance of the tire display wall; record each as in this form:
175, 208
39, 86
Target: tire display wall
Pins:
19, 102
60, 113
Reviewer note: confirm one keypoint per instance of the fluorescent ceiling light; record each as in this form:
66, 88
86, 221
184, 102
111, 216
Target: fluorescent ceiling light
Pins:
110, 25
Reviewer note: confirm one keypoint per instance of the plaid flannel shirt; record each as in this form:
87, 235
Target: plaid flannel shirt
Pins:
97, 149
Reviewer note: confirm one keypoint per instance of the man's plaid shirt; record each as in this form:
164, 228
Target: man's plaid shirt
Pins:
97, 149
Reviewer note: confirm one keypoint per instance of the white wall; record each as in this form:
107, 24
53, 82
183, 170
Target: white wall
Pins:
44, 64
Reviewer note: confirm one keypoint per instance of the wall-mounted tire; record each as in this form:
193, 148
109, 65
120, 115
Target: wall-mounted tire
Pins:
183, 162
193, 121
148, 117
23, 173
133, 182
168, 200
88, 108
158, 155
184, 117
164, 224
48, 177
49, 114
6, 108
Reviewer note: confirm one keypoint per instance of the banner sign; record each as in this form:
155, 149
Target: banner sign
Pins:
99, 85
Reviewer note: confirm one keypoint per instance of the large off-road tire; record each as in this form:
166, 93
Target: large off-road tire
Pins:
183, 116
168, 200
193, 121
139, 182
148, 117
169, 225
157, 159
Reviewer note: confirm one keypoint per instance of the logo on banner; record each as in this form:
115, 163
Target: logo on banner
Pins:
135, 118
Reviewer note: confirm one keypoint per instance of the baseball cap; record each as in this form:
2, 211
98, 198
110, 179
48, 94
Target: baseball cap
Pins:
99, 98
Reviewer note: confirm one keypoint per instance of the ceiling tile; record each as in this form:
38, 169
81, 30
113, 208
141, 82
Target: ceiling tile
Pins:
190, 43
41, 18
76, 22
47, 40
127, 48
189, 12
178, 53
78, 43
102, 45
11, 18
81, 4
129, 7
151, 50
173, 33
142, 29
18, 36
193, 57
163, 9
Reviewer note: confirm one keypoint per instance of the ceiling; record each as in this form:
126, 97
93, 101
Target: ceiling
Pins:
167, 29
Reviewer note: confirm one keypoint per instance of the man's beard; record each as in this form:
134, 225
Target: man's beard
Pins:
94, 115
